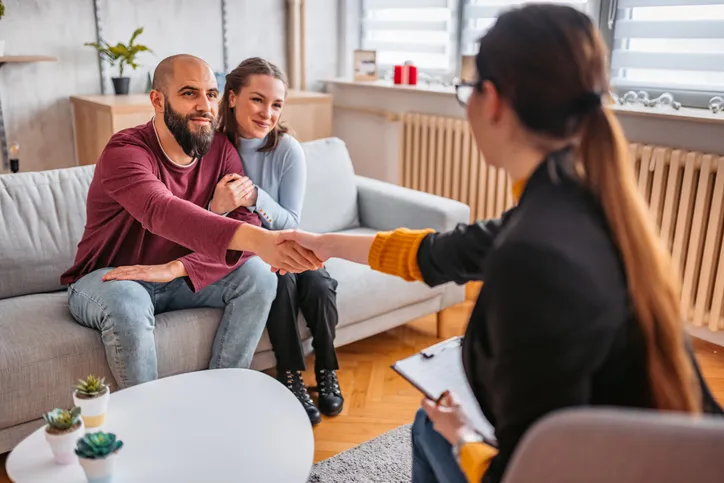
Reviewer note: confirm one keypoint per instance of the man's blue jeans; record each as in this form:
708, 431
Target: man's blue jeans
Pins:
123, 311
432, 458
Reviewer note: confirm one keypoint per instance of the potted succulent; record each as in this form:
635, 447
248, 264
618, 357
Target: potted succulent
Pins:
97, 454
122, 55
62, 431
92, 396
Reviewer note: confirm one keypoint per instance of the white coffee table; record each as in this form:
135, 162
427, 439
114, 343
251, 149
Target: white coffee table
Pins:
210, 426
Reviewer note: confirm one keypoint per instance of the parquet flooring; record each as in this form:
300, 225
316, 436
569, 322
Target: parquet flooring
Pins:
378, 400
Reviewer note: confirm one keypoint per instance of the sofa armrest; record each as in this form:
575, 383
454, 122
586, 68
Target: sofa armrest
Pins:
386, 206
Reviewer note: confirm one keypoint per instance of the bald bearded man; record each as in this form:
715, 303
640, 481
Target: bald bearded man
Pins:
151, 245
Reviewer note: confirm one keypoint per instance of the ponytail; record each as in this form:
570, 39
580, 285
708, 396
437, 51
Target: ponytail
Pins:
652, 282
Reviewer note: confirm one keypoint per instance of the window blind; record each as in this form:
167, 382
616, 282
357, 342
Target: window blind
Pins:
668, 44
480, 15
421, 31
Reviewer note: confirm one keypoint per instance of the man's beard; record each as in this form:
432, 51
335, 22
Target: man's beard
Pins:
194, 144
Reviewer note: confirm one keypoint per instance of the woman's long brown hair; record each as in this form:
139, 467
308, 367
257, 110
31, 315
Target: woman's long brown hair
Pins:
551, 65
235, 81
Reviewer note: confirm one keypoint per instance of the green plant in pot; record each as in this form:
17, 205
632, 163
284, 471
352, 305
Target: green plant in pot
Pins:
63, 429
97, 453
123, 55
92, 395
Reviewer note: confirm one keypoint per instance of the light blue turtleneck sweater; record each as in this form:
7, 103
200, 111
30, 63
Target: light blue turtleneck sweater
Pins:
280, 177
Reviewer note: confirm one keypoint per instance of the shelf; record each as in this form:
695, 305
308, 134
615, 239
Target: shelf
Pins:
384, 84
136, 102
26, 58
685, 113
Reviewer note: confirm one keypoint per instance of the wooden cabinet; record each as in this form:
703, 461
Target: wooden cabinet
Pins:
97, 118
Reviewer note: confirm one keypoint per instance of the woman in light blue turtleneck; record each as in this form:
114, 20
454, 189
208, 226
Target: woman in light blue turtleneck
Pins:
274, 186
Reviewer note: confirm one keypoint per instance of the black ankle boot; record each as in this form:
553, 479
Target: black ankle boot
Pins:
294, 382
330, 394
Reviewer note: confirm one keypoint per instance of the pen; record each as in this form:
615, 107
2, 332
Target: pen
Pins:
439, 400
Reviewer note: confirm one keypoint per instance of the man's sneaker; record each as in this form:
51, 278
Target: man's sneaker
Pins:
294, 382
330, 395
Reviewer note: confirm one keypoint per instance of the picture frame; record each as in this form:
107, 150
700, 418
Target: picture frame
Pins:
365, 65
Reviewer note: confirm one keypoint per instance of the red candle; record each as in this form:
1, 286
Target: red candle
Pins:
405, 74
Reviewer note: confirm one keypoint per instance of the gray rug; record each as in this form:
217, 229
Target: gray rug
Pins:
385, 459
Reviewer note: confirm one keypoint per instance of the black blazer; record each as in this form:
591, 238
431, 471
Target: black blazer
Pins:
553, 326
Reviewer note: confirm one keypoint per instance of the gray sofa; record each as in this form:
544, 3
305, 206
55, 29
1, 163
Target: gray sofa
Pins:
42, 215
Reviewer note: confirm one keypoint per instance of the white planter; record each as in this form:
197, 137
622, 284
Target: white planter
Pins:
63, 445
93, 411
99, 470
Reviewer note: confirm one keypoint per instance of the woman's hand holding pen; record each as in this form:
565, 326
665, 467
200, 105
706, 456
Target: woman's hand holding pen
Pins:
447, 417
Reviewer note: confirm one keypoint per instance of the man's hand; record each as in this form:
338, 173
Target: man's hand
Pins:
148, 273
232, 192
311, 241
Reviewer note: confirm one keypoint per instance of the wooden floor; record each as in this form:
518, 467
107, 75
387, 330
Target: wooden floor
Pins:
378, 400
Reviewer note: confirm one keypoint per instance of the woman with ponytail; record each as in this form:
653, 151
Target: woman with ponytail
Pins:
580, 305
253, 100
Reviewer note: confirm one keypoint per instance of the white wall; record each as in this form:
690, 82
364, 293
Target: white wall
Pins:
374, 142
257, 29
321, 42
36, 96
701, 136
181, 26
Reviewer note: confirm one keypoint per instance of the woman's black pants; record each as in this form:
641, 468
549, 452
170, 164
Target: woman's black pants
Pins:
314, 292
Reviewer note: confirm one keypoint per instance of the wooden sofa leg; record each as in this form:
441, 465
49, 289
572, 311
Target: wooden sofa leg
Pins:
472, 290
442, 323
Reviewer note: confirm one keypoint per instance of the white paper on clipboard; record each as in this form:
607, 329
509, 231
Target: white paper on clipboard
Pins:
439, 368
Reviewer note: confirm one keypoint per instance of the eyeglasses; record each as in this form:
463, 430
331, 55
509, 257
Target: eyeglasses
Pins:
463, 92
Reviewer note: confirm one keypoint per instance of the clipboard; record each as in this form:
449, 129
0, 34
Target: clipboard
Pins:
439, 368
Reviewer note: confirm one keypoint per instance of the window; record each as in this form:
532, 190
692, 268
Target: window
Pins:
435, 34
421, 31
668, 45
480, 15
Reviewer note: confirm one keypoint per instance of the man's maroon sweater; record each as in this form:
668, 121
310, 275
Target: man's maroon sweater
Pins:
143, 209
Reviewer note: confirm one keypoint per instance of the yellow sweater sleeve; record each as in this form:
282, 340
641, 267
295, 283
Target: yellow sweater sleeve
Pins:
475, 459
395, 252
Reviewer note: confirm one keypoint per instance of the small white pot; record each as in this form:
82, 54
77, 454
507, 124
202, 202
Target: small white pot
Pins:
93, 411
63, 445
99, 470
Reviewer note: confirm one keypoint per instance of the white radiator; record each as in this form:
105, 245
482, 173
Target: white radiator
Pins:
684, 189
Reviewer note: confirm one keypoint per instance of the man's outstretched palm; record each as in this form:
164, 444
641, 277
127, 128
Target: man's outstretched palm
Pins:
147, 273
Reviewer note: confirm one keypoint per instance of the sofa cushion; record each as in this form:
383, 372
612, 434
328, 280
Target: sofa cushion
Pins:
42, 217
330, 201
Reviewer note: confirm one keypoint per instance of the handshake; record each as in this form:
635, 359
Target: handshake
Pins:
294, 251
286, 251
